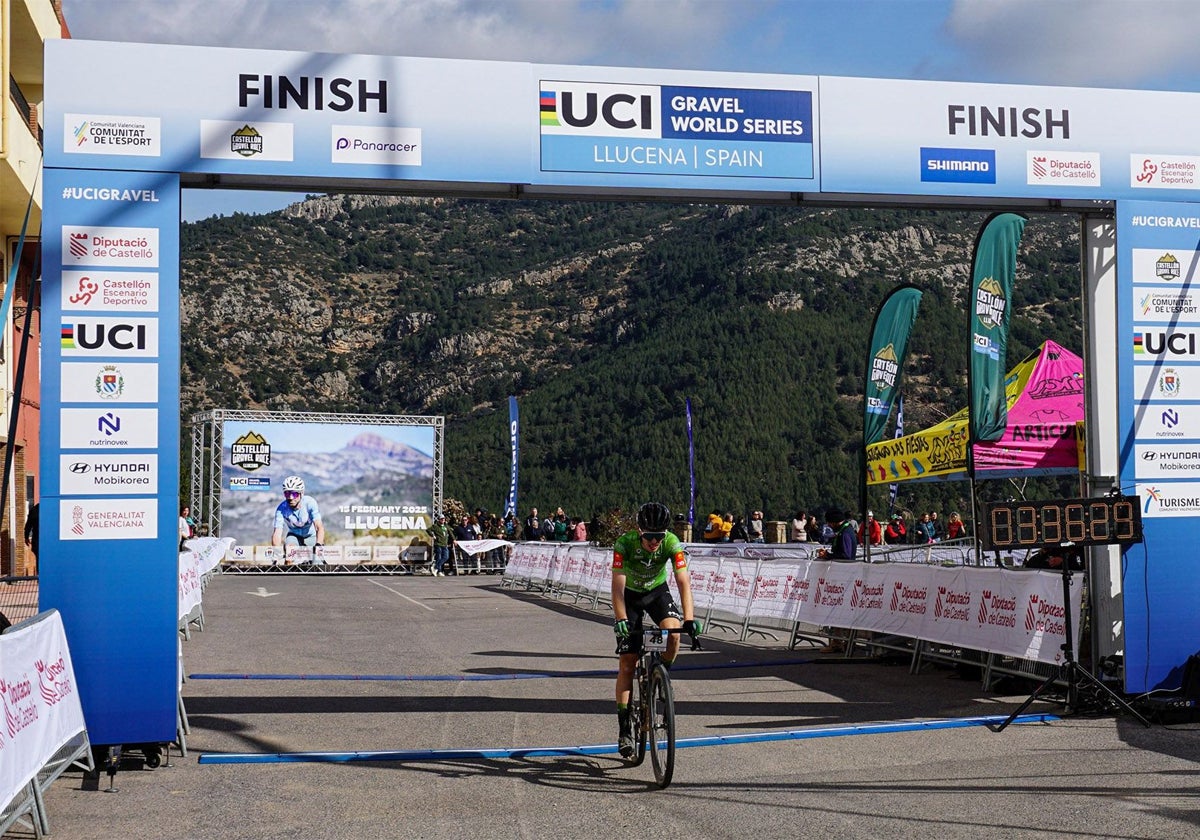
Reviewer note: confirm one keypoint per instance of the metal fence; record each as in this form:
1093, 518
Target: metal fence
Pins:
18, 598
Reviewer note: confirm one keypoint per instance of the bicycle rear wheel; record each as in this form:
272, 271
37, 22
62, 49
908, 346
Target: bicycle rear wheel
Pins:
637, 719
661, 706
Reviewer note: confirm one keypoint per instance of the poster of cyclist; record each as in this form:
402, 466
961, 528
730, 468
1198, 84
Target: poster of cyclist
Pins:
373, 484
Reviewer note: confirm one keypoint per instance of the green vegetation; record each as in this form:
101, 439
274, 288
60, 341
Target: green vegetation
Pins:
603, 318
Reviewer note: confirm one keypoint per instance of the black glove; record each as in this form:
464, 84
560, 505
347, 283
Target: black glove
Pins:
693, 627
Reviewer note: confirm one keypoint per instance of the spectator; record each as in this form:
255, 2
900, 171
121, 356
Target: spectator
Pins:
727, 527
533, 527
800, 527
439, 535
814, 530
462, 533
939, 530
926, 531
578, 529
712, 528
548, 529
754, 527
956, 529
896, 532
870, 530
562, 531
737, 531
185, 527
31, 529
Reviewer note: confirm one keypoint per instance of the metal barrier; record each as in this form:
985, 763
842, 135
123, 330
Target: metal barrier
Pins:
28, 808
19, 598
736, 589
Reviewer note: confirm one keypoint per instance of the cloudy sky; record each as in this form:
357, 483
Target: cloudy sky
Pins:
1145, 44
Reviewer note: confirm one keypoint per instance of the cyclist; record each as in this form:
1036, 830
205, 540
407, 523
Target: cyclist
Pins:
639, 585
298, 516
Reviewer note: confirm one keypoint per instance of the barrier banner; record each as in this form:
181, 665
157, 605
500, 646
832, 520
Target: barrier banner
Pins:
41, 704
1016, 613
480, 546
189, 582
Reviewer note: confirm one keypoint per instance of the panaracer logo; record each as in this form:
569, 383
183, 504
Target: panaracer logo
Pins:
990, 303
250, 452
246, 141
110, 384
1167, 267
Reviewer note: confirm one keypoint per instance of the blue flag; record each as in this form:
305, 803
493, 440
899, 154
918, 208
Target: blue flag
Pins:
514, 434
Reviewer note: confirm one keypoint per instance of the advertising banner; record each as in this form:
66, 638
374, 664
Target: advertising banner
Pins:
885, 359
110, 441
40, 698
1158, 339
371, 482
994, 267
514, 440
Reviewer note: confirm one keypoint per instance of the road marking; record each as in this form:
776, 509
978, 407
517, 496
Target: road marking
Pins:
401, 594
603, 749
262, 592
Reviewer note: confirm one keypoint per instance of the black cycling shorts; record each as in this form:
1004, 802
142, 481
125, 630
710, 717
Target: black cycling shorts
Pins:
657, 603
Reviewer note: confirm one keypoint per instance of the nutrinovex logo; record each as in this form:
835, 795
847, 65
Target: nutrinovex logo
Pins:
250, 452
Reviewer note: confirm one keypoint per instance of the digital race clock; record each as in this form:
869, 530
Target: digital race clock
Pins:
1101, 521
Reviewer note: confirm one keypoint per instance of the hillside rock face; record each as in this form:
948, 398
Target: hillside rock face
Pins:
602, 318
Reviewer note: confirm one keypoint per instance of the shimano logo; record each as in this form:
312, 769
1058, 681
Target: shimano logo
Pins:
961, 166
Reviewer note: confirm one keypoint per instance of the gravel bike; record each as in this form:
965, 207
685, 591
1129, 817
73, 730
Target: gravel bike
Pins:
652, 705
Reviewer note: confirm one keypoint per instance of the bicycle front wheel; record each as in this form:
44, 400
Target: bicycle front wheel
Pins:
661, 705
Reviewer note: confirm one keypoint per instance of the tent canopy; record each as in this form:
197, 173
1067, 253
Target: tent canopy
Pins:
1043, 436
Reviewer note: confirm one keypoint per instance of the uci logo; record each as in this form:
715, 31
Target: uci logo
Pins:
600, 110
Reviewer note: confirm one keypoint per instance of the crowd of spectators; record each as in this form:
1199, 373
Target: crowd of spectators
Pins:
899, 528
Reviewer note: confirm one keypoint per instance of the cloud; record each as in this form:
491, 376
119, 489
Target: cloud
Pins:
633, 32
1116, 43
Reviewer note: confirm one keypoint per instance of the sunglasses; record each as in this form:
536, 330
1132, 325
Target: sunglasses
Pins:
290, 494
654, 536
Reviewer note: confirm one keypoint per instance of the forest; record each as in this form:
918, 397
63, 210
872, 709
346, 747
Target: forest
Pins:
604, 319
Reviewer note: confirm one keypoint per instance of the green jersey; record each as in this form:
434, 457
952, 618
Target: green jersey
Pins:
643, 569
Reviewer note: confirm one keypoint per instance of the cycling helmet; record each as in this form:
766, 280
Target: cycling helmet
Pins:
654, 516
293, 483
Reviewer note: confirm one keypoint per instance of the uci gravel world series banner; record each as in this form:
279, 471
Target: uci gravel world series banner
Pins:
1158, 334
373, 483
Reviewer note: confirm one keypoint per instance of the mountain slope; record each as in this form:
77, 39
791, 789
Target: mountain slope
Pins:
603, 318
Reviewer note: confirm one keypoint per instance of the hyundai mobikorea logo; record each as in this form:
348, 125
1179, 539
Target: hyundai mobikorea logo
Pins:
958, 166
79, 467
1149, 456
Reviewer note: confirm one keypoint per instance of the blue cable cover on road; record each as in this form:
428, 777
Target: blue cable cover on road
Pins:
605, 749
531, 675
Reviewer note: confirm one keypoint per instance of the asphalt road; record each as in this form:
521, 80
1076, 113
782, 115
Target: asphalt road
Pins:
1077, 777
